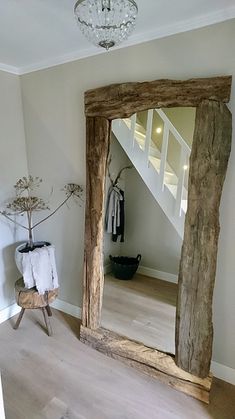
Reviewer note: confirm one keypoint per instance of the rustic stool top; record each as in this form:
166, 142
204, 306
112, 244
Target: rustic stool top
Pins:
30, 298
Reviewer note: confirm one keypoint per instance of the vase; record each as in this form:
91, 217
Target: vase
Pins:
24, 248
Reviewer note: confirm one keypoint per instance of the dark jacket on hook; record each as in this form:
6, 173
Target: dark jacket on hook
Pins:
114, 217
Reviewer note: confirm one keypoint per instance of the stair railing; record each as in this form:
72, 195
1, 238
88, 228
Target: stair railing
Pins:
184, 153
184, 157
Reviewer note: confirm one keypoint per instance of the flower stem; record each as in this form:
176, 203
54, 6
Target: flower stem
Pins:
52, 213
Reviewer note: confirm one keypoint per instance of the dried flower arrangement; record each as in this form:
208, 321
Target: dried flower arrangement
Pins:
26, 202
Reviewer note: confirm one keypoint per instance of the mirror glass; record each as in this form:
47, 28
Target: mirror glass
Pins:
146, 202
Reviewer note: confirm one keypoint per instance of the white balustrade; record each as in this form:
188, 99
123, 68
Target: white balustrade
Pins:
163, 156
184, 153
148, 138
180, 186
173, 130
133, 124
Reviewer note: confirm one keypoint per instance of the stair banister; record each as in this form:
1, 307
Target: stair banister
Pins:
180, 186
133, 124
174, 131
148, 138
184, 153
163, 156
141, 156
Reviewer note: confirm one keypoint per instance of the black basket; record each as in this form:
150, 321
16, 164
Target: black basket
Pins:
124, 267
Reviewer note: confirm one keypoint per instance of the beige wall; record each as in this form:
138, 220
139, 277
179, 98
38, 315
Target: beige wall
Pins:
55, 132
13, 165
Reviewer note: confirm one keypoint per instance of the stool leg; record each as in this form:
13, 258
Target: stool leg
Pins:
19, 318
47, 322
48, 309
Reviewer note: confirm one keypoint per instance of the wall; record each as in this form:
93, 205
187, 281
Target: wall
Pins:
13, 166
119, 160
55, 130
148, 231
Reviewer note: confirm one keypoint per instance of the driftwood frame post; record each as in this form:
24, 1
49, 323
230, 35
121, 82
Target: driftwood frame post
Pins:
188, 371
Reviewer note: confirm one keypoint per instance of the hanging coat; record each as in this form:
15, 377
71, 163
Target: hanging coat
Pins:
114, 217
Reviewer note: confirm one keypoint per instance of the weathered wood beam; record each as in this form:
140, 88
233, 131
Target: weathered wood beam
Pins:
147, 360
122, 100
98, 133
208, 166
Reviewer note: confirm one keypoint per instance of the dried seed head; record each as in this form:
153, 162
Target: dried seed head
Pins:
27, 204
27, 184
73, 189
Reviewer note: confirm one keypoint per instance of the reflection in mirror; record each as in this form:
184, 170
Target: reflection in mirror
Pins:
145, 212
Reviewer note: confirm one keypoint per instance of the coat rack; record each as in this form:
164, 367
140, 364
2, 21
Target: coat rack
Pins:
115, 181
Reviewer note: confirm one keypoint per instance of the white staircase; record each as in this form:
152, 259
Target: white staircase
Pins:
168, 188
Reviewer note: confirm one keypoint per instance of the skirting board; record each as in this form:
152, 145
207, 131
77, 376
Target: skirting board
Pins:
9, 312
153, 273
218, 370
67, 308
223, 372
61, 305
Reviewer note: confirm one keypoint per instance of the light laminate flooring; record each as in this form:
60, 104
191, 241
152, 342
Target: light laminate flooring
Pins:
58, 377
142, 309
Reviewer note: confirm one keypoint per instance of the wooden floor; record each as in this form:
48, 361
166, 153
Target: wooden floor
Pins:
60, 378
142, 309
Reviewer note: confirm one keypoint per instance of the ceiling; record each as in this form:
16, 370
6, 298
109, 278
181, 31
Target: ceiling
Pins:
36, 34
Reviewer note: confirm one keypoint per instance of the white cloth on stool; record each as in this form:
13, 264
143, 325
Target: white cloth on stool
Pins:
39, 269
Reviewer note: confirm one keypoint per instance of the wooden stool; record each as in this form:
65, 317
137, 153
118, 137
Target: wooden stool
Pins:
28, 298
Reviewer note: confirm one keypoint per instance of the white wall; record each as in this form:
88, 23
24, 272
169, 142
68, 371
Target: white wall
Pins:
13, 166
148, 230
119, 160
55, 130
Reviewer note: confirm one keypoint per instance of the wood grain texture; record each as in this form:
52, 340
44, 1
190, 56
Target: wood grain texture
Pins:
123, 100
147, 360
208, 166
98, 134
30, 299
211, 149
38, 372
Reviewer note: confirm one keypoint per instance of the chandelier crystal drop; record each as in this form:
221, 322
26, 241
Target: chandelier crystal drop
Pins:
106, 23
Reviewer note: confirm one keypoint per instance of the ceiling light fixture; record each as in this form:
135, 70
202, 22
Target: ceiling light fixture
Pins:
159, 130
106, 23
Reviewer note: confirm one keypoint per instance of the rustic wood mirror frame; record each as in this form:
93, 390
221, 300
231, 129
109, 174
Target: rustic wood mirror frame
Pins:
189, 370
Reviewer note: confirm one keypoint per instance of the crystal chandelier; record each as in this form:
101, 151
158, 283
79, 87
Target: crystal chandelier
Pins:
106, 23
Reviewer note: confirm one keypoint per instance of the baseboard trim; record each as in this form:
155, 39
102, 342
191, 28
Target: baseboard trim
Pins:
67, 308
153, 273
13, 309
8, 312
223, 372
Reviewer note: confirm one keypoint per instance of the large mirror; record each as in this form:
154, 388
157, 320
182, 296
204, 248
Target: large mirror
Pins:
124, 104
145, 205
